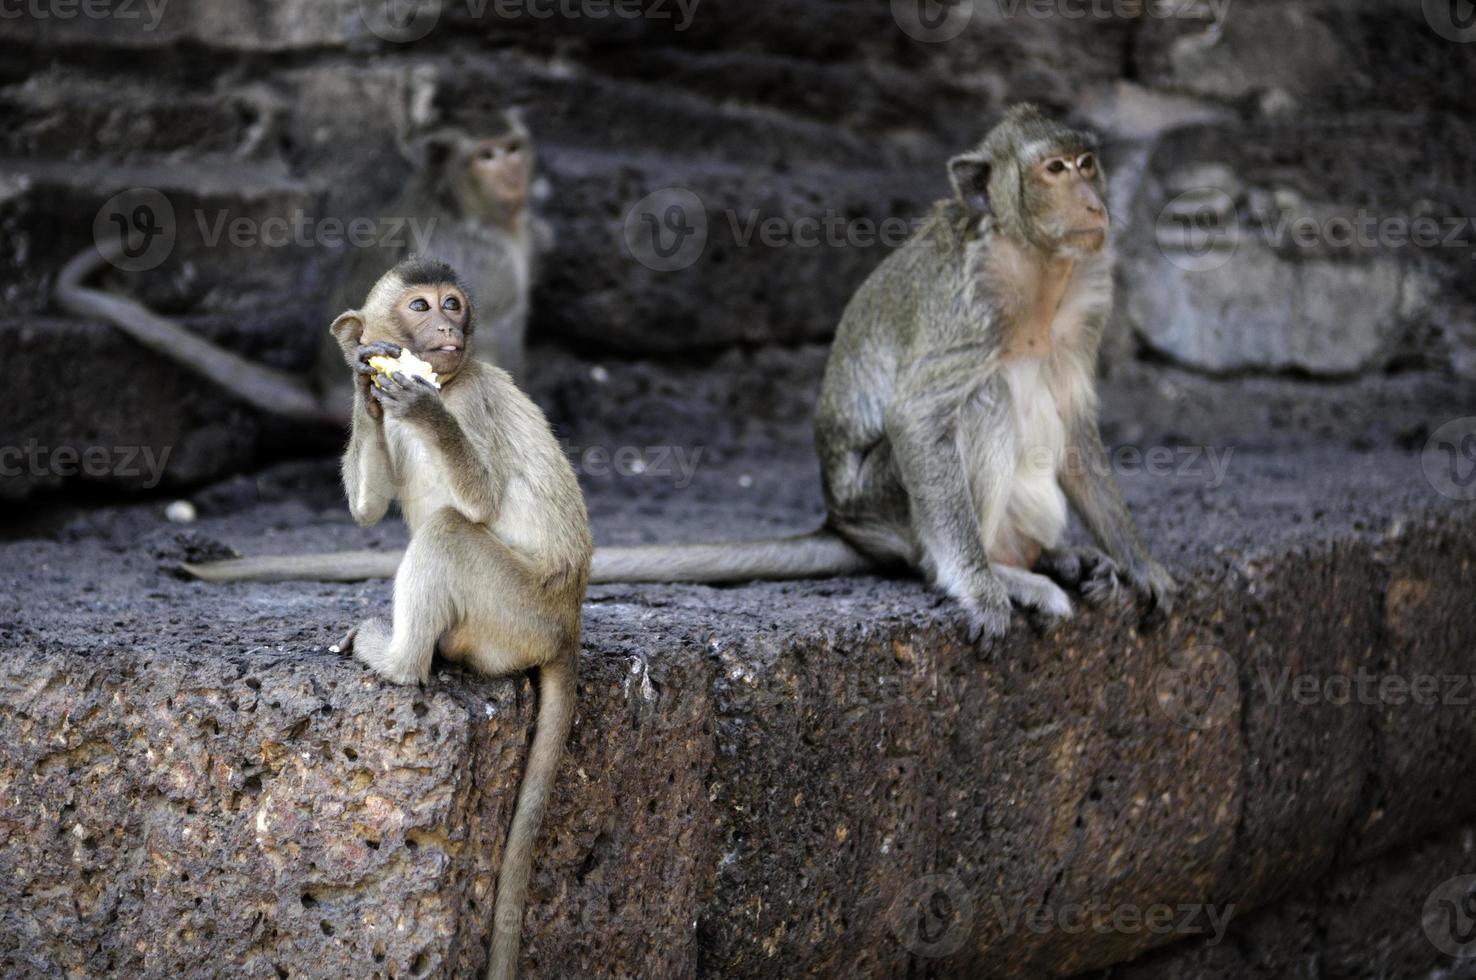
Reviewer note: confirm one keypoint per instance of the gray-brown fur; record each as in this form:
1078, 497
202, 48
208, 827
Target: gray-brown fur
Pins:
970, 350
953, 357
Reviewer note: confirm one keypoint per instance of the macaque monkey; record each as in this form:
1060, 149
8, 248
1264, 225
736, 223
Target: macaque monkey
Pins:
958, 414
499, 552
470, 201
472, 196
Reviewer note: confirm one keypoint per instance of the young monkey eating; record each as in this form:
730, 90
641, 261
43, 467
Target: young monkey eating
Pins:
500, 546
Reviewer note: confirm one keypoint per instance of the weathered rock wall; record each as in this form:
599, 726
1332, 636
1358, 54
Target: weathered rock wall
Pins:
787, 779
1265, 156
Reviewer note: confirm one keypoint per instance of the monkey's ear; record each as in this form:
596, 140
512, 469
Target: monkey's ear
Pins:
431, 150
348, 329
970, 175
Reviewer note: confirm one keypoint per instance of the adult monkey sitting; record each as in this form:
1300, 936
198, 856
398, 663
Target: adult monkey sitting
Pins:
498, 561
958, 415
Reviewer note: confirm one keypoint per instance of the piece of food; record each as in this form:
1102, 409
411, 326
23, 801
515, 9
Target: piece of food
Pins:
407, 364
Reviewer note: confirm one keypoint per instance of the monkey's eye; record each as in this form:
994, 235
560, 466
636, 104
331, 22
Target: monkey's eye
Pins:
487, 154
452, 303
1087, 163
419, 305
514, 147
1056, 166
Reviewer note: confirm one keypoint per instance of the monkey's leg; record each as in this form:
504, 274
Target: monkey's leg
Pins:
868, 506
425, 588
508, 621
954, 466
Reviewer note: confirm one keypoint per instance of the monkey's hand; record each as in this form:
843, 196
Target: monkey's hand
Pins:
1100, 579
364, 373
1153, 582
358, 356
408, 397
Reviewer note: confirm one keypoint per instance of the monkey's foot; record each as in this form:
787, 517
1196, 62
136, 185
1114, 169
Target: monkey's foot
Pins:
988, 611
1035, 592
345, 645
1097, 577
986, 624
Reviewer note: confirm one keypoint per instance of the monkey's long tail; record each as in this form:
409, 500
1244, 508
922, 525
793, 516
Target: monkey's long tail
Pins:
815, 555
557, 681
341, 566
262, 387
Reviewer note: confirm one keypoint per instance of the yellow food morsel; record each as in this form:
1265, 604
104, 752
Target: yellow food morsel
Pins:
407, 364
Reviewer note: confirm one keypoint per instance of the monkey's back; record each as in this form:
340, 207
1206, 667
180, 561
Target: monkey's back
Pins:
875, 341
543, 513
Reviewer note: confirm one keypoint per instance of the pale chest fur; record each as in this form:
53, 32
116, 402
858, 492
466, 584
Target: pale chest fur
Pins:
1047, 313
421, 483
1044, 307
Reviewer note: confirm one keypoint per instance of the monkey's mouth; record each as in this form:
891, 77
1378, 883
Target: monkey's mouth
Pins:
441, 358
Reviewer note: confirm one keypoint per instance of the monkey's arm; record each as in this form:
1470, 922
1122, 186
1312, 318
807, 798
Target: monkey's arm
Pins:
476, 485
368, 477
940, 432
263, 388
1090, 485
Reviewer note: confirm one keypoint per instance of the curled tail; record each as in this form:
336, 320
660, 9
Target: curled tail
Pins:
557, 683
264, 388
814, 555
341, 566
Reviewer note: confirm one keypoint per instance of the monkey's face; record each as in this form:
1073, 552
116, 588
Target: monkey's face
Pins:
1066, 193
496, 172
434, 322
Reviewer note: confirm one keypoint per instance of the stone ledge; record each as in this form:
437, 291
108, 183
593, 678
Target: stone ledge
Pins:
756, 774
